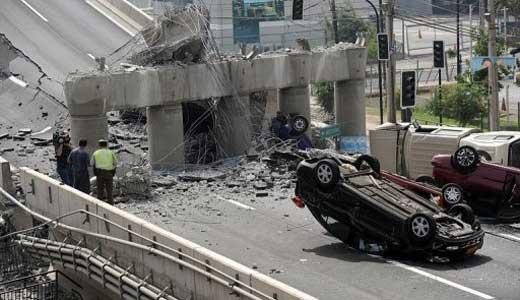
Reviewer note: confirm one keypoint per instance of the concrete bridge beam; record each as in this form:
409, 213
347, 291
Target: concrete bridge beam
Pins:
349, 107
165, 136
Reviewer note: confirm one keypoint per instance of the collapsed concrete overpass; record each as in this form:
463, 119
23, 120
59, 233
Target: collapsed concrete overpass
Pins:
162, 90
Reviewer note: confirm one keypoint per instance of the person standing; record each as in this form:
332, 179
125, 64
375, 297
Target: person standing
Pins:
63, 149
79, 161
104, 163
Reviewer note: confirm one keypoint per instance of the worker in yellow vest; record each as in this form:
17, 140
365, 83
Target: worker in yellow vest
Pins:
104, 163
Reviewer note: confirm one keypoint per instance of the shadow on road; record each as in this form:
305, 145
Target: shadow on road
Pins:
341, 251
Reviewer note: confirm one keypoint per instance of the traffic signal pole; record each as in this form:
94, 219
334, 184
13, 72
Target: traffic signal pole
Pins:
390, 75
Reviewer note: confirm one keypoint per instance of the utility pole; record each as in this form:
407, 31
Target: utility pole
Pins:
481, 11
334, 20
471, 34
494, 120
388, 6
459, 61
505, 27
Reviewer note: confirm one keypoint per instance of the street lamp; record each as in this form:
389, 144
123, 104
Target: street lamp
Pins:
379, 68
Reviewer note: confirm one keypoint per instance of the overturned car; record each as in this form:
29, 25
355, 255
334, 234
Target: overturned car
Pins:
352, 200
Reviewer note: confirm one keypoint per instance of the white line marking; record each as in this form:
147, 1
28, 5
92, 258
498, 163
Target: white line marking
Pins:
34, 10
109, 18
236, 203
18, 81
510, 236
441, 280
91, 56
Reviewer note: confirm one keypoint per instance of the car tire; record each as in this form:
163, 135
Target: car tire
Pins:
326, 174
421, 229
463, 212
300, 124
452, 194
465, 159
426, 179
370, 161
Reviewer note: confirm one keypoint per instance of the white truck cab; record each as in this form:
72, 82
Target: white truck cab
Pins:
501, 147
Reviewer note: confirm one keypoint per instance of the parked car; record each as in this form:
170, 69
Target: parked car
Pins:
352, 199
480, 181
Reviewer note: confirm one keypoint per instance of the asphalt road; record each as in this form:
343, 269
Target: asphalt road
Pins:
285, 242
60, 35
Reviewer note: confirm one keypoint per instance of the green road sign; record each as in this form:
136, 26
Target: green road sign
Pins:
329, 131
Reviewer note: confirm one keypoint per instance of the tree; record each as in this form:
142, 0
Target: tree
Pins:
463, 101
349, 25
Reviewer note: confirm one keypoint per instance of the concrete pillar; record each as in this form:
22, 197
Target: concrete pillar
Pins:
349, 107
6, 181
6, 56
295, 100
234, 131
91, 128
88, 121
165, 136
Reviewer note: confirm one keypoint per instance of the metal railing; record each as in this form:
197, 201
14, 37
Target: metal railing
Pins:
42, 286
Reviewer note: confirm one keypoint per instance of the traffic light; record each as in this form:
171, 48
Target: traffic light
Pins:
297, 10
438, 54
383, 48
408, 89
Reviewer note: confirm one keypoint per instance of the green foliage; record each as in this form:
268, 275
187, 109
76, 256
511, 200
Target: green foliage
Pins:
349, 24
325, 95
463, 101
481, 46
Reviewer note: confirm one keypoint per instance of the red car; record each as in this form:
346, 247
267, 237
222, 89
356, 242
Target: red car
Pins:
480, 181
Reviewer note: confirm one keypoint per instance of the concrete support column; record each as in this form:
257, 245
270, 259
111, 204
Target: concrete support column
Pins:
6, 181
165, 136
233, 118
91, 128
88, 121
295, 100
349, 107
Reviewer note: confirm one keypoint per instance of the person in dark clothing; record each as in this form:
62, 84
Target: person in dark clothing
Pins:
80, 161
63, 149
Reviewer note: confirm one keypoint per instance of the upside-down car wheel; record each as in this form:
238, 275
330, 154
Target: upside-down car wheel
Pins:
300, 124
421, 229
463, 212
465, 159
452, 194
326, 174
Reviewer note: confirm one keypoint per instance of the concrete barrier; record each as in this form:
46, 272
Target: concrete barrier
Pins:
6, 181
128, 12
53, 199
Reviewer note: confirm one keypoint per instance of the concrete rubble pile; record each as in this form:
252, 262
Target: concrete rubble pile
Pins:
180, 35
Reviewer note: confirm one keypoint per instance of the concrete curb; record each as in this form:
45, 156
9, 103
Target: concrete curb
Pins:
123, 14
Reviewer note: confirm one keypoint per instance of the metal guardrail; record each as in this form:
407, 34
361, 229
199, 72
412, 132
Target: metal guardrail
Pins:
42, 286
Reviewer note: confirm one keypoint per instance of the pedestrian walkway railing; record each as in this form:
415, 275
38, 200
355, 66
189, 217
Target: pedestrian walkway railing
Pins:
42, 286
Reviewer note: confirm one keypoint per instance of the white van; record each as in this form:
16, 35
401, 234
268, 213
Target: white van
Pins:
407, 149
